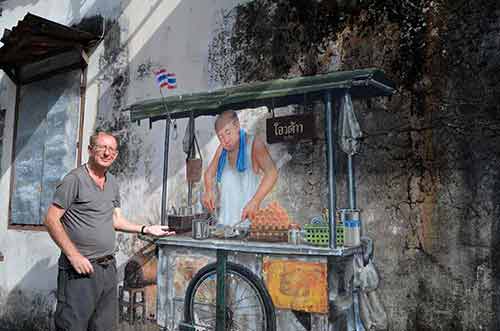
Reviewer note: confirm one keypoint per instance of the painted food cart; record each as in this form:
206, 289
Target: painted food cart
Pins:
236, 284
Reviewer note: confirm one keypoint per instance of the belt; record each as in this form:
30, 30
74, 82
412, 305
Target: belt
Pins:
103, 259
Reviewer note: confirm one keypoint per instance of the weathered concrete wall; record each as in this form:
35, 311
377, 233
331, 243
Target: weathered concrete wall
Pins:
427, 173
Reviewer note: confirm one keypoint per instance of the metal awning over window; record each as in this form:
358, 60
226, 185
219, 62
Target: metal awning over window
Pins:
36, 48
274, 93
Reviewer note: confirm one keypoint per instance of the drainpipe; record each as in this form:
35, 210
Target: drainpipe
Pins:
330, 157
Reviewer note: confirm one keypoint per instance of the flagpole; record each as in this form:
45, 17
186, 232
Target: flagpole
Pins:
164, 191
163, 102
161, 75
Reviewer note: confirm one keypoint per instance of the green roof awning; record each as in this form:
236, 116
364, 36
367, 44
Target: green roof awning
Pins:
275, 93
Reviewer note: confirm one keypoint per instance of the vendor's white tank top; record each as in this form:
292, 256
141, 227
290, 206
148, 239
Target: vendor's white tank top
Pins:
237, 188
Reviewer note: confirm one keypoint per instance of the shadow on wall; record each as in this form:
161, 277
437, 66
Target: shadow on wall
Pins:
26, 309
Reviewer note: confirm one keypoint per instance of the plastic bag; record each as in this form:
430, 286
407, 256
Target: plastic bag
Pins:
365, 277
349, 129
372, 311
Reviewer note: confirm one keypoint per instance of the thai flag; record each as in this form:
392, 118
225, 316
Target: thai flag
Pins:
165, 79
171, 81
162, 78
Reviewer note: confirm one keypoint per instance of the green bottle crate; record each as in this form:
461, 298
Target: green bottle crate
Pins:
317, 234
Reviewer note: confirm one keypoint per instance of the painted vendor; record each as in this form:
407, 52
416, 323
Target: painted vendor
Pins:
242, 169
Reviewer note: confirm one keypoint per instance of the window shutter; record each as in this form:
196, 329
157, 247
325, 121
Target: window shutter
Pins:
47, 129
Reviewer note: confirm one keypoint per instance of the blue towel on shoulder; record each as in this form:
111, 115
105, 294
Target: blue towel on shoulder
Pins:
240, 161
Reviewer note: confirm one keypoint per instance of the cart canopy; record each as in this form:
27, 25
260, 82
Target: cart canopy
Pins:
360, 83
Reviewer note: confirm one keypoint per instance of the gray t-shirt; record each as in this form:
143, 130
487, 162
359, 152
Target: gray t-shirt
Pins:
88, 216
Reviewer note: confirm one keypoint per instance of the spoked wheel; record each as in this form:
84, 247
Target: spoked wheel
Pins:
248, 304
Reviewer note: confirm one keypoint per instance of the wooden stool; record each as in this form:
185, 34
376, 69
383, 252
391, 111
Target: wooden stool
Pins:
132, 309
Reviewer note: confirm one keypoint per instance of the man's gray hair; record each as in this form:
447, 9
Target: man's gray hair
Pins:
93, 138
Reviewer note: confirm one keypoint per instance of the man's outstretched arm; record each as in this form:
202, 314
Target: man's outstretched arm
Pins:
120, 223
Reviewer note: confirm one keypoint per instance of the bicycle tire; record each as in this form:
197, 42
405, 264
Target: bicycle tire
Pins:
258, 285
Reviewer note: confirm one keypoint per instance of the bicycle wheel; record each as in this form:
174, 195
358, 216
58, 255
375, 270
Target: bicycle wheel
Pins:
248, 304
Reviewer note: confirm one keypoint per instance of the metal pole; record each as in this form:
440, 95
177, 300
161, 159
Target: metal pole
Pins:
191, 155
352, 187
220, 304
330, 156
164, 189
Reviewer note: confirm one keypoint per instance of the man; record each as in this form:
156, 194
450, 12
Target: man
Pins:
237, 166
82, 221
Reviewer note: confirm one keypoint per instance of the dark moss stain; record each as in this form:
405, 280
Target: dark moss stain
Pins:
119, 86
495, 252
144, 70
116, 72
271, 36
220, 54
112, 46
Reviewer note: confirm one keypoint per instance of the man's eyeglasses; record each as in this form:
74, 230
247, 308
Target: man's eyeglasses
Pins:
101, 148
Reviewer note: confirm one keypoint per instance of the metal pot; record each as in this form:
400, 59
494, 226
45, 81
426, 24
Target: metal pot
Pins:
200, 229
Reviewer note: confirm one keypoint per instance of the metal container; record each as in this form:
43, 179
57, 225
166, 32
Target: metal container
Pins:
350, 218
294, 236
200, 229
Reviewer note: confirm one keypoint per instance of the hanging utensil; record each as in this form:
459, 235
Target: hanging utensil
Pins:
194, 162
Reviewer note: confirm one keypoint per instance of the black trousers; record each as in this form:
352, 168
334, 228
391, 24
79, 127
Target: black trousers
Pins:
87, 302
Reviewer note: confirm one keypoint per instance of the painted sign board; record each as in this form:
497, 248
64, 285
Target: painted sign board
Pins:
297, 285
290, 128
